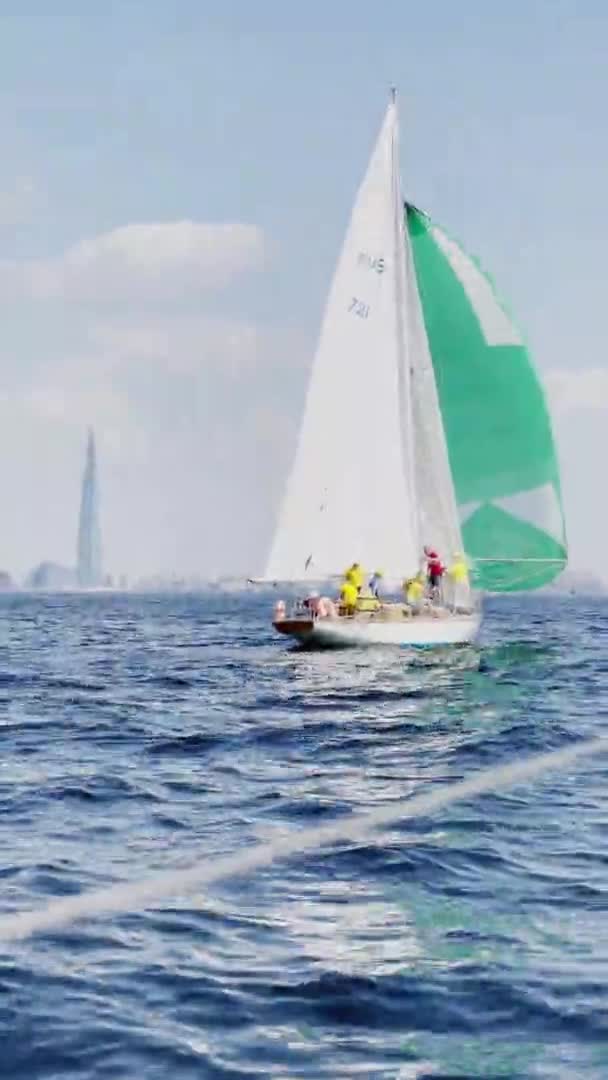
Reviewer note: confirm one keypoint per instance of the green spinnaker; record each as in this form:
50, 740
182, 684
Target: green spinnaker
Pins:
498, 430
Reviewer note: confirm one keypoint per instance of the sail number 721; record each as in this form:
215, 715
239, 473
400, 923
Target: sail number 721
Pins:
359, 308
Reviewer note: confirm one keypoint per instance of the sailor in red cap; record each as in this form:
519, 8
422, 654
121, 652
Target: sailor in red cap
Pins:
434, 569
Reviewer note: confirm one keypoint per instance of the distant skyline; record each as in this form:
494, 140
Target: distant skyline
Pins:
174, 189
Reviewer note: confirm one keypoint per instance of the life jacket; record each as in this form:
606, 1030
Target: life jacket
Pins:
413, 590
348, 594
434, 564
459, 572
358, 576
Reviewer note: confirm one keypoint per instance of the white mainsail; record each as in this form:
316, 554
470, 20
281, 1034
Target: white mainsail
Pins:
351, 493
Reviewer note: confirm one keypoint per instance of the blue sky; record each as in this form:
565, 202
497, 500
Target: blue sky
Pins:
243, 131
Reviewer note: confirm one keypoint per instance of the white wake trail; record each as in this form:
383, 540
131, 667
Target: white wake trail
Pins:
136, 895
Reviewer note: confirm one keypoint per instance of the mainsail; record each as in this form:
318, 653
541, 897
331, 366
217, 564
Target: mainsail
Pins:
351, 493
500, 444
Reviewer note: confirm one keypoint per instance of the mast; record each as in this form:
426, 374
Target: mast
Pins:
406, 367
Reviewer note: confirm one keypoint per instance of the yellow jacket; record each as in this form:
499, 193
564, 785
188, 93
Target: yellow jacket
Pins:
458, 572
348, 594
356, 575
413, 590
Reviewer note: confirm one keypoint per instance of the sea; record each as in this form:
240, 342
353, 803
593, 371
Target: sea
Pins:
146, 734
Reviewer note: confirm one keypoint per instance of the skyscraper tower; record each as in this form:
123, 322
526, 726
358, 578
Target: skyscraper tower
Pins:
89, 538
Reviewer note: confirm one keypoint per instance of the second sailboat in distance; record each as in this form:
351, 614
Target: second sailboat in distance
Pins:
425, 425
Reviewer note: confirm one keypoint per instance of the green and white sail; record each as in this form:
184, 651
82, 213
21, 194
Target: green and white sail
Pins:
498, 430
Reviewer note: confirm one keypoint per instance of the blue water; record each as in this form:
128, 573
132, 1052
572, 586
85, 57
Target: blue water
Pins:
140, 734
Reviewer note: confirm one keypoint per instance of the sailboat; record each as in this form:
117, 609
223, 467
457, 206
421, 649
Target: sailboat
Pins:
425, 423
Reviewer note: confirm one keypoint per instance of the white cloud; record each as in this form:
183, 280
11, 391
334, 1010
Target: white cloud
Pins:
578, 402
67, 401
179, 341
127, 377
147, 261
577, 391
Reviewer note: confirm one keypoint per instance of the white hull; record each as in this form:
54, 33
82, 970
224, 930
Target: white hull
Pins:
418, 631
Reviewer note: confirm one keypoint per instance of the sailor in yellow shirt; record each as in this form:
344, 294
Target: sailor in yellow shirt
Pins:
459, 571
458, 574
348, 597
414, 591
355, 575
